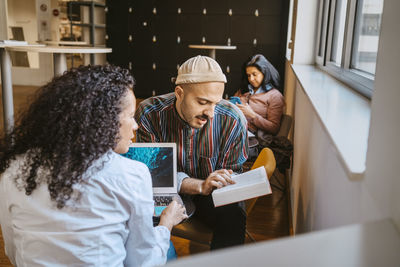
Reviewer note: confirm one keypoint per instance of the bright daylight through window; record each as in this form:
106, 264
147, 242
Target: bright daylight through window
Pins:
366, 35
348, 38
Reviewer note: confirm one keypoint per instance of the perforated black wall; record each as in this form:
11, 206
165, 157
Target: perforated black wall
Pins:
151, 38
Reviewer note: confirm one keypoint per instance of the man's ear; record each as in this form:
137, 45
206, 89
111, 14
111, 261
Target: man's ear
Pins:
179, 92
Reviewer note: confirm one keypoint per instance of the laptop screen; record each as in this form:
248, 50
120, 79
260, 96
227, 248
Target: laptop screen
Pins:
160, 158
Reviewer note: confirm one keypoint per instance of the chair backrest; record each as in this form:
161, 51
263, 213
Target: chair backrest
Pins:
286, 124
265, 158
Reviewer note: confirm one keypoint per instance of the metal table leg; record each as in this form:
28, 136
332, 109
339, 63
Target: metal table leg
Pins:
59, 63
7, 90
212, 53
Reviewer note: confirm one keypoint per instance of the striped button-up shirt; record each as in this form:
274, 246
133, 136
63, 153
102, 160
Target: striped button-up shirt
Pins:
222, 143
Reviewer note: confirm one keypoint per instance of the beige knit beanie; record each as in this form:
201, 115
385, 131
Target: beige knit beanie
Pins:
200, 69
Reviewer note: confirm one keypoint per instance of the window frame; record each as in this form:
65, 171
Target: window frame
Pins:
323, 8
360, 81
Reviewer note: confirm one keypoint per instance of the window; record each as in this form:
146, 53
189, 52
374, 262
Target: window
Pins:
338, 31
347, 43
366, 36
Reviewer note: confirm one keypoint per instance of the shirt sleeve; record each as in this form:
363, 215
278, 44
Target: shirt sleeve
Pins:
146, 245
180, 178
5, 221
236, 146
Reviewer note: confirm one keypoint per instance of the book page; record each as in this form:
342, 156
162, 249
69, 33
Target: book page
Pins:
248, 185
251, 177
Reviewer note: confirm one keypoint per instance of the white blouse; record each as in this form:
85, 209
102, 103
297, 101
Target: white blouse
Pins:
109, 225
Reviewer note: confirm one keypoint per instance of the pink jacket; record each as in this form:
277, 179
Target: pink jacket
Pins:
269, 107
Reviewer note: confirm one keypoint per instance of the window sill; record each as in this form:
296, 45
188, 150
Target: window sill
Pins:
361, 82
344, 114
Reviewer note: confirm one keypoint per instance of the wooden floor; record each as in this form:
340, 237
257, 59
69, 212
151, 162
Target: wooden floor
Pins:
268, 220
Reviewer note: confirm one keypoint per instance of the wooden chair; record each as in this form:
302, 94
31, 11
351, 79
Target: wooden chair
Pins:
194, 230
286, 124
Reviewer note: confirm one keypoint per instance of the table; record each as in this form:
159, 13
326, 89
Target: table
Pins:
60, 61
6, 84
212, 48
60, 65
67, 43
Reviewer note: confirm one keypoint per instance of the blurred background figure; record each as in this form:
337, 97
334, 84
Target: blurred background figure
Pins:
261, 101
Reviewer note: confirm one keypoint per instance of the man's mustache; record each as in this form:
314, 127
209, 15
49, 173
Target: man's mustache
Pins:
203, 117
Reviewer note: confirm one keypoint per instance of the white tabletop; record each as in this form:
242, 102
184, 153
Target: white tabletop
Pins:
61, 49
19, 45
224, 47
75, 43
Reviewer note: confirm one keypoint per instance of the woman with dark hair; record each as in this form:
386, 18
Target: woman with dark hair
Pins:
66, 195
261, 101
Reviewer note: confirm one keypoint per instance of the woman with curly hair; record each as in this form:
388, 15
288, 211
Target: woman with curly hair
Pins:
66, 195
261, 101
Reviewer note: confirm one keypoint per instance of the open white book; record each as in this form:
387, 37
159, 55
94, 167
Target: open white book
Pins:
248, 185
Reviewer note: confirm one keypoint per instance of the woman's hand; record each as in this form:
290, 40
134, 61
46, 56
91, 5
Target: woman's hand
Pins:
217, 179
247, 110
172, 215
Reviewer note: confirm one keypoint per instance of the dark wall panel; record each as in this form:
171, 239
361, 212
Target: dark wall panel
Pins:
151, 38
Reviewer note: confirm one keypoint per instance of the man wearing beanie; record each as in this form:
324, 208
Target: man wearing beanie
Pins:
211, 136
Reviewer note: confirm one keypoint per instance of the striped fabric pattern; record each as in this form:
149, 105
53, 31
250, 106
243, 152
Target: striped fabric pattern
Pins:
222, 143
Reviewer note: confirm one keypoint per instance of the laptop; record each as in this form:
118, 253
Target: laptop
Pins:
161, 160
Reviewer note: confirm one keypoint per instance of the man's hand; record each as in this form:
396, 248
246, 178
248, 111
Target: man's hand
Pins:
217, 179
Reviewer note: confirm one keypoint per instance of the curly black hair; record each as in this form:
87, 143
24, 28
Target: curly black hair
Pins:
72, 122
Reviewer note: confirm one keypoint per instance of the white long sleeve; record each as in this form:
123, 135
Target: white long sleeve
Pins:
110, 224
